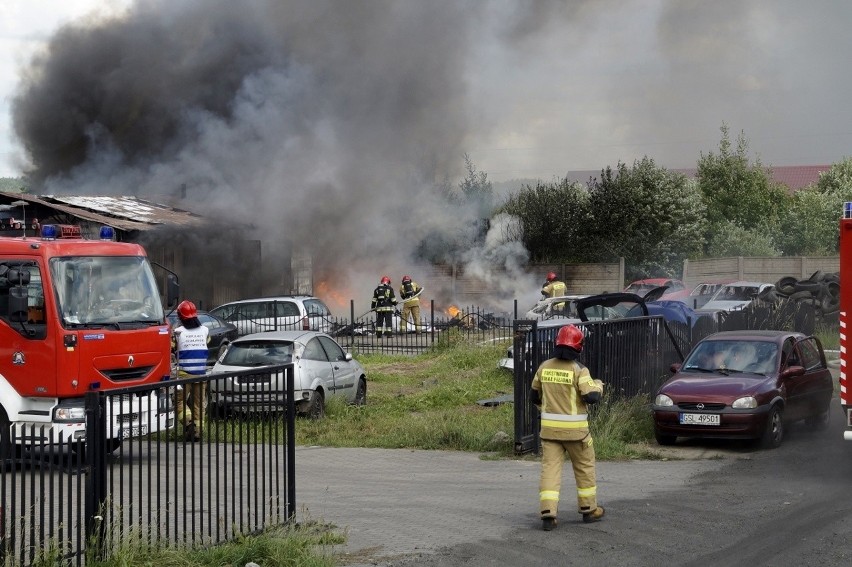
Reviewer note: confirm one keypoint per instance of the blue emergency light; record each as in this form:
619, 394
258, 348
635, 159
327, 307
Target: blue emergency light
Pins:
49, 231
847, 210
107, 233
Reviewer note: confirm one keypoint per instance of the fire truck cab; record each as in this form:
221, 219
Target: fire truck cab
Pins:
79, 315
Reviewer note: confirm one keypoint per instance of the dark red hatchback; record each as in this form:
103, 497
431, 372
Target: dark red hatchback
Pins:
745, 385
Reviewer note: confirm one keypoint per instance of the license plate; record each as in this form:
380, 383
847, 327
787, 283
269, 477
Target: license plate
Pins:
134, 431
849, 417
699, 419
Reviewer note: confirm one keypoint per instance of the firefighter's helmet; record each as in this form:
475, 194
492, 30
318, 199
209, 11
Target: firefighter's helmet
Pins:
570, 336
187, 310
406, 279
385, 280
551, 276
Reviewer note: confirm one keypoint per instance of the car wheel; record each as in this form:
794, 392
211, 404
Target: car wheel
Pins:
361, 394
316, 407
820, 421
774, 433
664, 440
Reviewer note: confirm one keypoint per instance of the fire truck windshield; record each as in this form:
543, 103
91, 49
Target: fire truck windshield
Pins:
105, 290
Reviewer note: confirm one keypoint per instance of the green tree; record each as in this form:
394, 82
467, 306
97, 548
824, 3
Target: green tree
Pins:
737, 191
727, 239
651, 216
554, 218
13, 184
810, 226
476, 189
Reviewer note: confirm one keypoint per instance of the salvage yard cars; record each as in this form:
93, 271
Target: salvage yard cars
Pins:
745, 385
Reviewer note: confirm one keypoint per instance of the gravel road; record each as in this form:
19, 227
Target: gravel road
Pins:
713, 504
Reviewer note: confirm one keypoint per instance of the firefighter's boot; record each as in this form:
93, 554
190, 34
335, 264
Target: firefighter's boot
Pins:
547, 524
594, 516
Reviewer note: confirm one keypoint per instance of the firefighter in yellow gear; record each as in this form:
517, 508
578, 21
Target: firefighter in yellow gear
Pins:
409, 292
562, 390
553, 287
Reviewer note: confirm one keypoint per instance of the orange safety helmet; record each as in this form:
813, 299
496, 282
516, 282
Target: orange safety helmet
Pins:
187, 310
551, 276
406, 279
570, 336
385, 280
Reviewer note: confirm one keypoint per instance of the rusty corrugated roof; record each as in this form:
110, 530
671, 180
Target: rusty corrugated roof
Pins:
121, 212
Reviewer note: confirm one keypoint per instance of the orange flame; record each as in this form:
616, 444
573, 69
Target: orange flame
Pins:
336, 300
453, 311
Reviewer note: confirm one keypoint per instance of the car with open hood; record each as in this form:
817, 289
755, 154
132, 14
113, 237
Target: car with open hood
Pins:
745, 385
564, 306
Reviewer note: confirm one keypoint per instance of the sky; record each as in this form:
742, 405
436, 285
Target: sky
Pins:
591, 85
330, 123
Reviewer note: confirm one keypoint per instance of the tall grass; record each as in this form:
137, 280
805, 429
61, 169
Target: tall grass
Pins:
430, 402
423, 402
304, 545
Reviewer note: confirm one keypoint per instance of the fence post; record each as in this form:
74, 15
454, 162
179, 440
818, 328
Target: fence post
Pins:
95, 455
291, 443
432, 325
352, 323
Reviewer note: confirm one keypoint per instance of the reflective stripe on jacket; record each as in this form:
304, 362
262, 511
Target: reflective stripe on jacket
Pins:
384, 298
563, 383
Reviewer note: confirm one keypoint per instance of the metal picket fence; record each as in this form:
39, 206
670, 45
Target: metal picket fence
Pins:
67, 501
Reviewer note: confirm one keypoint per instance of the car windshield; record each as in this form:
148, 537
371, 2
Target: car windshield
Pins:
759, 357
735, 293
641, 289
259, 353
100, 290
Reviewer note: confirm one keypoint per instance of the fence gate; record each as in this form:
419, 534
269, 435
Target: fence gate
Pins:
525, 345
631, 357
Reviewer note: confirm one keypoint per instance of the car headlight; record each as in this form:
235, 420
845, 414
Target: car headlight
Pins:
663, 400
747, 402
69, 413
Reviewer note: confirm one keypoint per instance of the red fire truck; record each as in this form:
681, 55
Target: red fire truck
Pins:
79, 315
845, 310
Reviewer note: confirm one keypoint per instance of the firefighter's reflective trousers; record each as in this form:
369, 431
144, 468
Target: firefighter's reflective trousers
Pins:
582, 455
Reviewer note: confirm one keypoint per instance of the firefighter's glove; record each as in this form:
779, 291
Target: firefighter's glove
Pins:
592, 398
535, 397
397, 312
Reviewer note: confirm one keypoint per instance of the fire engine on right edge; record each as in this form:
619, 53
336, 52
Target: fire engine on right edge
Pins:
845, 310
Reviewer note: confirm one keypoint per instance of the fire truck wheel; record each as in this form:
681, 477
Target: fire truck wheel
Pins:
774, 433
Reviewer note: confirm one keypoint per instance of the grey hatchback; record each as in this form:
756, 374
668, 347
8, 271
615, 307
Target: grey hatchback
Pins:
322, 370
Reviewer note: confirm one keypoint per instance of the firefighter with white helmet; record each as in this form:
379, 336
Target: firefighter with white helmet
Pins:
409, 292
384, 304
562, 389
190, 343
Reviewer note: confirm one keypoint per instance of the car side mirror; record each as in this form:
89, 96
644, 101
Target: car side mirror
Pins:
675, 368
792, 372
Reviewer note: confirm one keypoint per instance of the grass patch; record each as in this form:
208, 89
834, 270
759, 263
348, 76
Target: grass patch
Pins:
429, 402
305, 545
423, 402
